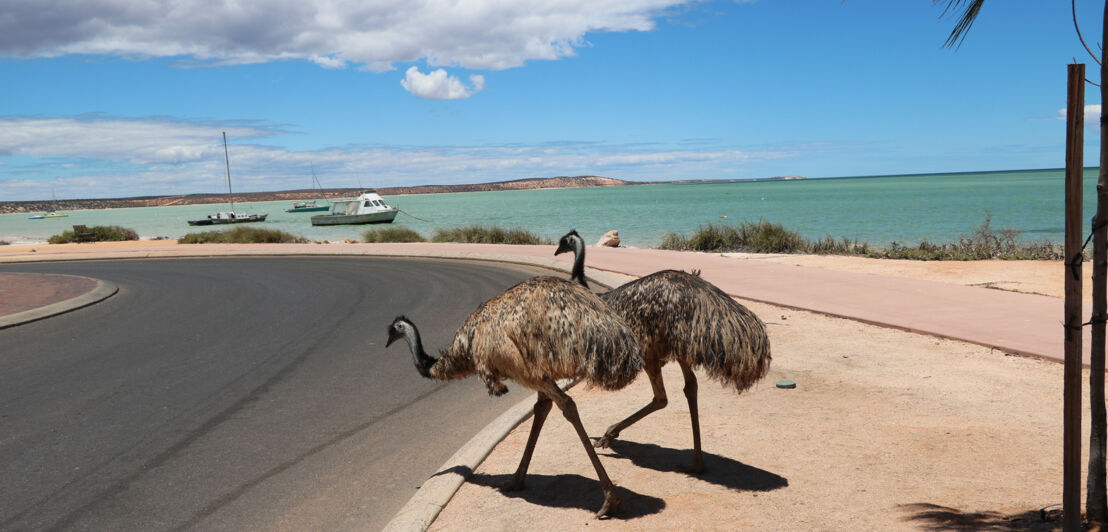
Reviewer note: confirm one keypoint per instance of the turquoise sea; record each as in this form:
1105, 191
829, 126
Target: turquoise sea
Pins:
878, 210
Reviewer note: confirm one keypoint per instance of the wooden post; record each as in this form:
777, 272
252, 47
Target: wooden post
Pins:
1096, 502
1071, 455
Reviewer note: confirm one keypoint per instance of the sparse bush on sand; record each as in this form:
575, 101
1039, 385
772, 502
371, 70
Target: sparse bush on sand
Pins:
392, 234
97, 233
764, 237
479, 234
242, 235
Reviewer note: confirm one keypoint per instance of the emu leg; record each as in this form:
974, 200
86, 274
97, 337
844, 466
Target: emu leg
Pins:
569, 410
542, 408
653, 370
690, 395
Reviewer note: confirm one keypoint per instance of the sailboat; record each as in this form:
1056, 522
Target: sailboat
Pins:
229, 217
309, 205
52, 213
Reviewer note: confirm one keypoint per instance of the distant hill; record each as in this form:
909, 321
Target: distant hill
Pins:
290, 195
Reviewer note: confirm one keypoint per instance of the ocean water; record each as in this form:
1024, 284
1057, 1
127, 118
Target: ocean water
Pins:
878, 210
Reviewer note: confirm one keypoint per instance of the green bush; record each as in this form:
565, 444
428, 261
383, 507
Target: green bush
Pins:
479, 234
97, 233
982, 243
753, 237
242, 235
392, 234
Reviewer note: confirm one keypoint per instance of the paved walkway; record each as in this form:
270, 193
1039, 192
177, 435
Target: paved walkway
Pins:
1023, 324
1017, 323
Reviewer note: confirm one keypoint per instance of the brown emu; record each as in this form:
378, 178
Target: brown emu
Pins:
536, 332
679, 316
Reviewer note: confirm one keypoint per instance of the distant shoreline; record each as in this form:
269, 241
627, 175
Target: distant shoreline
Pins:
12, 207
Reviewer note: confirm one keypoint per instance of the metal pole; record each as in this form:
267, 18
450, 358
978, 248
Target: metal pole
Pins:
227, 159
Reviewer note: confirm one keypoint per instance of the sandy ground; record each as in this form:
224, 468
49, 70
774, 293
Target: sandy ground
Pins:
886, 430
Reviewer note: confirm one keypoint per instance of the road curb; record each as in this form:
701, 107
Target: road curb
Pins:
103, 290
434, 494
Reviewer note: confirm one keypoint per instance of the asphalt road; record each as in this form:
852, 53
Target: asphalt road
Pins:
236, 394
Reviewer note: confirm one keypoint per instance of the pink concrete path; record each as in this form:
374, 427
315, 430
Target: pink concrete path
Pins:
1023, 324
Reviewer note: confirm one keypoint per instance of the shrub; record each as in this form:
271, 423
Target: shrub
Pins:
479, 234
392, 234
97, 233
242, 235
764, 237
754, 237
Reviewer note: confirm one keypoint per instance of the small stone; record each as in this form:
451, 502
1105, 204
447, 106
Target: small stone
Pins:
610, 239
786, 384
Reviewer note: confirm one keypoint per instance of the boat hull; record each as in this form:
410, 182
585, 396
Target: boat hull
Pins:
235, 220
355, 219
308, 209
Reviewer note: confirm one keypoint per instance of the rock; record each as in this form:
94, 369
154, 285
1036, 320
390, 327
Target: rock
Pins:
349, 241
610, 239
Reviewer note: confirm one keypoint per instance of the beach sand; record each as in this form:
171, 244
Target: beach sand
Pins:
886, 430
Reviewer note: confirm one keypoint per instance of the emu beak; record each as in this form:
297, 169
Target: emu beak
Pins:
562, 248
393, 336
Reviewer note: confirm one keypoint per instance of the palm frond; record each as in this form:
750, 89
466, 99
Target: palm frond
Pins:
972, 9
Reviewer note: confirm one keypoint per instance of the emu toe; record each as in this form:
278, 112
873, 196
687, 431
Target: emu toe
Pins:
515, 484
605, 441
611, 502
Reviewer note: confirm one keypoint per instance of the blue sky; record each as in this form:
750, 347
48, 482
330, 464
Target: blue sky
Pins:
112, 98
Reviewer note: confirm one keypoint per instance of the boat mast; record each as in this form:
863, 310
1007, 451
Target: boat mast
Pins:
227, 159
315, 180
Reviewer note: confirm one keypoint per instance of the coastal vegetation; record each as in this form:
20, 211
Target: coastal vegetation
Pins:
242, 235
983, 243
391, 234
480, 234
96, 233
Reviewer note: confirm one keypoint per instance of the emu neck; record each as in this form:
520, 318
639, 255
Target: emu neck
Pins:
578, 273
423, 361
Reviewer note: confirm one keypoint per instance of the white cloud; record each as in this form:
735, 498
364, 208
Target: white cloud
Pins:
99, 157
474, 34
438, 85
1092, 115
478, 82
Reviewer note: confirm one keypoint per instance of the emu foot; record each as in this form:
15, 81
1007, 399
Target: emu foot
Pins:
611, 502
605, 441
515, 484
697, 466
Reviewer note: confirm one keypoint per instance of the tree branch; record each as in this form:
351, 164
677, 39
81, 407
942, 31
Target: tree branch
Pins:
1073, 9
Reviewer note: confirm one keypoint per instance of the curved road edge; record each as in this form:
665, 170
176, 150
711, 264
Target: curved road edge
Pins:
434, 494
102, 291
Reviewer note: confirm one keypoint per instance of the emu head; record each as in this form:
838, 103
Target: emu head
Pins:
399, 327
568, 242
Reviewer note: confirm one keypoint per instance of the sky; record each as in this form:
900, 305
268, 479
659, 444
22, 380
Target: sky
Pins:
122, 98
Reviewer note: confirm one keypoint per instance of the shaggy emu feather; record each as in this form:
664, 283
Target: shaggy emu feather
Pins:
679, 316
535, 333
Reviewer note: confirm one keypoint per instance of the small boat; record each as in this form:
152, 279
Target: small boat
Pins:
369, 208
229, 217
52, 213
309, 205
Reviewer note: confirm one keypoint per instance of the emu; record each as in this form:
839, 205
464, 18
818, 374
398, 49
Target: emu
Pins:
535, 333
679, 316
